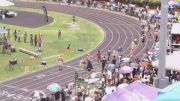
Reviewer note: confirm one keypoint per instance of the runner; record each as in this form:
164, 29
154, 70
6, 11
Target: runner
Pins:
60, 61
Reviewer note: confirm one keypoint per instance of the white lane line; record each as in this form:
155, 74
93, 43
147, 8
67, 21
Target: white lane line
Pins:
36, 83
34, 79
49, 57
17, 88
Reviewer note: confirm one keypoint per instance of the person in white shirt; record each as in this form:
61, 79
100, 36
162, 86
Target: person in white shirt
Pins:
109, 77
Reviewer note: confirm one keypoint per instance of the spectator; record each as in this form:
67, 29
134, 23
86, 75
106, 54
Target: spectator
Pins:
98, 56
109, 54
35, 40
31, 39
15, 35
63, 96
19, 36
104, 62
59, 34
25, 37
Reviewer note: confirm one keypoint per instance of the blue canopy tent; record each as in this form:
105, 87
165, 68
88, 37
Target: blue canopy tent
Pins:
3, 31
170, 93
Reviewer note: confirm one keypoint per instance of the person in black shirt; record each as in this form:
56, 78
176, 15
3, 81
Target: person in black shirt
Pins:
63, 96
35, 40
104, 62
31, 39
114, 60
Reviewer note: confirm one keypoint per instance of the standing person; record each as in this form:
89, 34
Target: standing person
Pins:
109, 77
57, 96
35, 40
60, 61
74, 19
104, 62
15, 35
25, 37
89, 65
31, 39
40, 39
119, 50
143, 38
132, 53
109, 54
8, 34
59, 34
98, 56
19, 36
63, 96
114, 60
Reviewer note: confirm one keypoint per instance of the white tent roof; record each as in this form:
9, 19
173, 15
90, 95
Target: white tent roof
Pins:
175, 28
6, 3
172, 61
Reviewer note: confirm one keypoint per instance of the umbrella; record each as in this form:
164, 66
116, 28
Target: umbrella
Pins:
2, 31
6, 3
123, 85
134, 65
125, 70
126, 59
110, 67
37, 94
54, 87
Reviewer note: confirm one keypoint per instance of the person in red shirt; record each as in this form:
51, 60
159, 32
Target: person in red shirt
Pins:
177, 39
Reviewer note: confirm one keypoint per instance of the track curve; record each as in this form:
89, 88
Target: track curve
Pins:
119, 31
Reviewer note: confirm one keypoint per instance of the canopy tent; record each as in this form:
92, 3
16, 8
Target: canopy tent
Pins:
3, 31
136, 91
175, 28
172, 61
158, 16
174, 3
170, 93
5, 3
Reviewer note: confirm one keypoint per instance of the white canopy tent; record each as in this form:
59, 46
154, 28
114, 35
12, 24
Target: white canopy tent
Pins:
5, 3
172, 61
175, 28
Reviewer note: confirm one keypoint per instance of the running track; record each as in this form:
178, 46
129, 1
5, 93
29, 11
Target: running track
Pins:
119, 30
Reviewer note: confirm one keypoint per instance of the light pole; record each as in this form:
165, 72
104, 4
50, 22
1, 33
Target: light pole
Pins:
162, 81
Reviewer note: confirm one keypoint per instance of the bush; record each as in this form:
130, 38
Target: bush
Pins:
151, 3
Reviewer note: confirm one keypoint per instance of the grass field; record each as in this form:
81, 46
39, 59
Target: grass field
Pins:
87, 36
